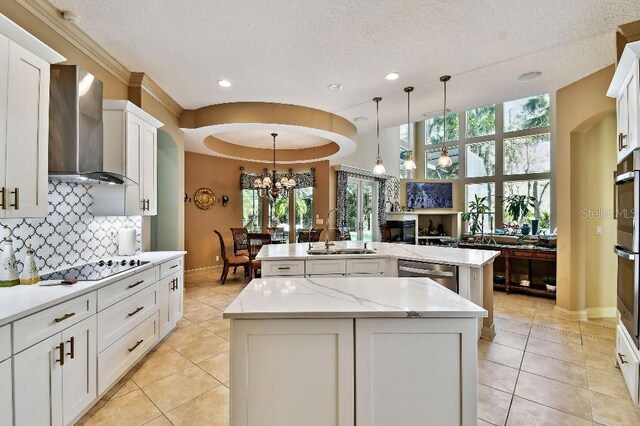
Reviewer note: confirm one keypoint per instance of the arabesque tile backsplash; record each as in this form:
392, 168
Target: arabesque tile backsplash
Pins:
69, 234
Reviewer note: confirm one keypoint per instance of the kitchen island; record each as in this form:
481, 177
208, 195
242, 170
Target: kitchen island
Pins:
474, 267
352, 350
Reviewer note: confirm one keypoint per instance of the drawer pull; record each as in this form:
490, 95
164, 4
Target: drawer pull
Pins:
136, 284
174, 266
284, 268
60, 349
64, 317
136, 311
3, 204
174, 284
16, 204
72, 352
136, 345
621, 144
622, 358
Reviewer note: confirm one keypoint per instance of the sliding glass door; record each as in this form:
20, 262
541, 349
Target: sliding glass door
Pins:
362, 211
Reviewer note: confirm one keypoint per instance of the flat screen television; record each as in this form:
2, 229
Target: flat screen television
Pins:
429, 195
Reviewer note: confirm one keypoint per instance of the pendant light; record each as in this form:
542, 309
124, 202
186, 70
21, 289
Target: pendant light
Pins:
379, 168
409, 164
444, 162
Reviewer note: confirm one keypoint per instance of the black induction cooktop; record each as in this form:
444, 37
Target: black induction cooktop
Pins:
94, 271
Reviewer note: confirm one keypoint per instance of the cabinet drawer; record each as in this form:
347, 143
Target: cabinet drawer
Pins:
628, 362
282, 268
168, 268
118, 290
34, 328
119, 357
366, 266
549, 256
326, 267
117, 320
5, 342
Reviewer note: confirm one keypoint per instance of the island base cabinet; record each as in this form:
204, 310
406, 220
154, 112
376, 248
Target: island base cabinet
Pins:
292, 372
416, 371
6, 393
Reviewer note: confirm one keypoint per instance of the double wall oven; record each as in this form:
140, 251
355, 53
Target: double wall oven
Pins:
626, 207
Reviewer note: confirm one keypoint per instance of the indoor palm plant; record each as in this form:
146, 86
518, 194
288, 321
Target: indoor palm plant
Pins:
519, 207
474, 215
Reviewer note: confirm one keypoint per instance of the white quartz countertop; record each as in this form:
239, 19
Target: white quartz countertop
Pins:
22, 300
361, 297
444, 255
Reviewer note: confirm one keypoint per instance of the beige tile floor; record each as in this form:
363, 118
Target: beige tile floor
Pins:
538, 370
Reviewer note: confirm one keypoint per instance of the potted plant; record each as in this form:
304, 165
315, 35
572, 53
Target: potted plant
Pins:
474, 215
519, 207
550, 282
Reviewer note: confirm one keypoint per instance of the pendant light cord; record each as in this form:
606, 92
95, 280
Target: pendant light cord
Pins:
444, 79
377, 101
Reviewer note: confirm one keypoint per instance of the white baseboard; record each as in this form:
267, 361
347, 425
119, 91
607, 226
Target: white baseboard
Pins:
601, 312
571, 315
203, 269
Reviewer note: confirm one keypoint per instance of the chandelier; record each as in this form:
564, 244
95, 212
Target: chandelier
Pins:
268, 184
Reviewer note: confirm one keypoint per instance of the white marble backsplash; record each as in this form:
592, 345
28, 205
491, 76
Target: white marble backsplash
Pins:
69, 234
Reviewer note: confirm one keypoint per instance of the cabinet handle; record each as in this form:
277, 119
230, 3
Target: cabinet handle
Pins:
72, 352
284, 268
64, 317
622, 358
136, 284
174, 266
3, 202
60, 349
136, 345
621, 139
143, 205
148, 202
135, 312
16, 204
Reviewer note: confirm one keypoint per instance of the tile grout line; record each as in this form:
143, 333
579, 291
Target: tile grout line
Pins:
515, 386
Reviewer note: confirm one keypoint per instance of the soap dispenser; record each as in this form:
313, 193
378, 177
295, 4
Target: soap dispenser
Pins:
29, 274
8, 265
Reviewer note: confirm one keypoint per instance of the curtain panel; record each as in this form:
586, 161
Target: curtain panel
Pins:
341, 197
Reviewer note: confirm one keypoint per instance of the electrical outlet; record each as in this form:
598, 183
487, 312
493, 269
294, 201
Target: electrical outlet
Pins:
217, 258
598, 230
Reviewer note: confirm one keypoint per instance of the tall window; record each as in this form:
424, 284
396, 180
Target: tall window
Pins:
503, 150
251, 210
303, 209
279, 215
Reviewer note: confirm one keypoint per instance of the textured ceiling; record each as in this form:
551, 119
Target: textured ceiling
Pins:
289, 51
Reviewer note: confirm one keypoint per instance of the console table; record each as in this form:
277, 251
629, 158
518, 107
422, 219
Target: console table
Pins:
512, 252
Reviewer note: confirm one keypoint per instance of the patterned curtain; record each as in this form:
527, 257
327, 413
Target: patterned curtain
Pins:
303, 180
341, 197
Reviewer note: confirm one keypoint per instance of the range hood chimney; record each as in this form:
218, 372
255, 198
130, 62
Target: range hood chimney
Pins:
75, 128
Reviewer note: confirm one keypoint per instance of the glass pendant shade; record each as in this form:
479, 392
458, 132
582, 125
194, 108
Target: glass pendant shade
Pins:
379, 168
444, 162
409, 164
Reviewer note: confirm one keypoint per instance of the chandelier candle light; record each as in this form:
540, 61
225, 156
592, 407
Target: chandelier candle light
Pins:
268, 184
444, 162
379, 168
409, 164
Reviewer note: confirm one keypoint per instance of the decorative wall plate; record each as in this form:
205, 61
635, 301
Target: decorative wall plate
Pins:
204, 198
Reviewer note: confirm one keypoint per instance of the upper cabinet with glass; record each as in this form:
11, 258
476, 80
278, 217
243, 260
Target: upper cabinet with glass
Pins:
625, 87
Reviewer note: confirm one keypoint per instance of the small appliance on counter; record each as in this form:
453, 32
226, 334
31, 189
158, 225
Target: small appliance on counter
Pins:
127, 241
9, 267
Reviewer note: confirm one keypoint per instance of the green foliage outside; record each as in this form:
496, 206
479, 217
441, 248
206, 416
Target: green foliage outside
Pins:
435, 129
481, 121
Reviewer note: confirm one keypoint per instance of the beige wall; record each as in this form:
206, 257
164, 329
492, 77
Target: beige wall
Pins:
114, 89
223, 177
579, 107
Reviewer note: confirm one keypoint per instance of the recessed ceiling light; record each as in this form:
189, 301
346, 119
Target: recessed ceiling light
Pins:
224, 83
392, 76
529, 75
360, 119
335, 86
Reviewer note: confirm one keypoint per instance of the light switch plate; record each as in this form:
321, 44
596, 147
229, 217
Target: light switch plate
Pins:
319, 221
598, 230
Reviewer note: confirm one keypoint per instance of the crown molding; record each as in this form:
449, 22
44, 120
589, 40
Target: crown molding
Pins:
52, 17
143, 81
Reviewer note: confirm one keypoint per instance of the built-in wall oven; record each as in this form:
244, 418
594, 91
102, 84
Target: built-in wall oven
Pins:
627, 201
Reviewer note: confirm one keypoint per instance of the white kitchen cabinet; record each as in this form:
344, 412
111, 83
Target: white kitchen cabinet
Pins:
134, 134
426, 364
317, 356
628, 361
58, 376
24, 121
171, 299
625, 88
6, 393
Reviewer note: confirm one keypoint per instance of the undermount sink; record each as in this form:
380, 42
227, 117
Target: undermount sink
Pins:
323, 251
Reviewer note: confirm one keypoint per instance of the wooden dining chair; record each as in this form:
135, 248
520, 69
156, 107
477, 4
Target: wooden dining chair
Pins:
235, 261
256, 241
240, 243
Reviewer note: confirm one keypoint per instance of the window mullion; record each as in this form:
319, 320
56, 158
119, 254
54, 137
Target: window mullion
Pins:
499, 141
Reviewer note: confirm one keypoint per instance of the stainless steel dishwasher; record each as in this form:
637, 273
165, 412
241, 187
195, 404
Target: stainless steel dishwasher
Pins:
447, 275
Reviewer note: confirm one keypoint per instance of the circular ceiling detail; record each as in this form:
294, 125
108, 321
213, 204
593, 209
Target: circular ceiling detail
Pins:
242, 131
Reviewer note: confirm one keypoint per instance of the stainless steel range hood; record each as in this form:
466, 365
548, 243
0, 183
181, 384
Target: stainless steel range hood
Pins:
76, 147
